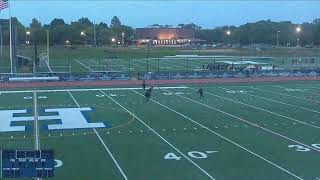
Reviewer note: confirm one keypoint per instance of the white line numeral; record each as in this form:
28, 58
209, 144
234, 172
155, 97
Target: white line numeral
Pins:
58, 163
292, 90
192, 154
299, 148
172, 156
302, 148
197, 155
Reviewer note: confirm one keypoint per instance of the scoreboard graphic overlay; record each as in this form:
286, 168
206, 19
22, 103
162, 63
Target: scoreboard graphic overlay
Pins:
27, 163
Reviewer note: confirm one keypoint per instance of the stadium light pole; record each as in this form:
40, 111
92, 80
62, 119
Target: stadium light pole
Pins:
228, 33
148, 51
278, 38
122, 35
27, 34
114, 44
83, 34
298, 30
113, 40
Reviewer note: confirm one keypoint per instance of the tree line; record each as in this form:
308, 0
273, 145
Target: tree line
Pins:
266, 32
82, 32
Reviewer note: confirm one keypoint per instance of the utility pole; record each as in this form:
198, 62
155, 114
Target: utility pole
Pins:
148, 49
15, 44
10, 35
298, 30
278, 38
94, 35
1, 41
48, 47
122, 35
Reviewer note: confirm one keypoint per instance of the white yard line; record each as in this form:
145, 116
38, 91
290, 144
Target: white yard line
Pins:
302, 85
36, 126
88, 89
167, 142
297, 97
248, 122
293, 119
84, 65
74, 99
114, 160
280, 102
307, 91
300, 90
104, 145
225, 138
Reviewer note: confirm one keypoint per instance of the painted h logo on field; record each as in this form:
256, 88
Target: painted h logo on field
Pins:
71, 118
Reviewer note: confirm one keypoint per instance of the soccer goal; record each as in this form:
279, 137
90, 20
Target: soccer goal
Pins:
45, 68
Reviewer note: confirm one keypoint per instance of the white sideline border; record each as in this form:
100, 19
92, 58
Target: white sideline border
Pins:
89, 89
225, 138
104, 145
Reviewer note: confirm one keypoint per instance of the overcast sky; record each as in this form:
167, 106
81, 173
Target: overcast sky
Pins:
208, 14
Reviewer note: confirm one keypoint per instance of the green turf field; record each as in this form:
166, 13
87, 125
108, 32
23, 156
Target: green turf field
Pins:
248, 132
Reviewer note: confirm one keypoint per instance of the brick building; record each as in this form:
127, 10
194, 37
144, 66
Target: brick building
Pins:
159, 36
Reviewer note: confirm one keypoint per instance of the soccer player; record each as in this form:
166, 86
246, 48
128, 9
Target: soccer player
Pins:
148, 94
311, 98
144, 84
150, 89
200, 91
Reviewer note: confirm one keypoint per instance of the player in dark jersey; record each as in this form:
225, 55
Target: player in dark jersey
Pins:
148, 94
143, 84
311, 98
200, 91
150, 89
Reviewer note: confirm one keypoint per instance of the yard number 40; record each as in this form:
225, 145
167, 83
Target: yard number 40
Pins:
192, 154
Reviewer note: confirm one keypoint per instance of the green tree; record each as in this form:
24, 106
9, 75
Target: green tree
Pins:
115, 22
38, 34
59, 31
